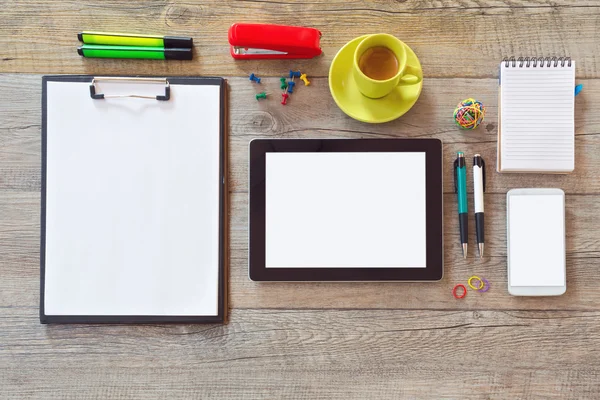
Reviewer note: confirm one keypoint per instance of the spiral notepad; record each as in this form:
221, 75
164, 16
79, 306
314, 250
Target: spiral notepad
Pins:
536, 124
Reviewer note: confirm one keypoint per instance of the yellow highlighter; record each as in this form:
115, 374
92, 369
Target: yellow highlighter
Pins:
126, 39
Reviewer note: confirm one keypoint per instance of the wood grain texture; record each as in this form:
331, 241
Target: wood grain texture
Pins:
312, 354
313, 113
453, 38
19, 265
321, 340
19, 197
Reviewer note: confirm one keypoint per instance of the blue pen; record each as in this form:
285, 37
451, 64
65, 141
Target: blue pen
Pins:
460, 188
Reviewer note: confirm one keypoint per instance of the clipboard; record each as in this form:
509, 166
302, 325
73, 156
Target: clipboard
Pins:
134, 198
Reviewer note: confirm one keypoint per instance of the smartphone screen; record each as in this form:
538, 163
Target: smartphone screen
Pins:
536, 241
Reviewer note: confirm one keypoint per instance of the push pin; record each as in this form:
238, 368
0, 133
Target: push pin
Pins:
304, 79
295, 74
254, 78
284, 98
262, 95
290, 88
283, 83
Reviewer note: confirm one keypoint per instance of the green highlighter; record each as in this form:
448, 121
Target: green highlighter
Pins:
128, 39
152, 53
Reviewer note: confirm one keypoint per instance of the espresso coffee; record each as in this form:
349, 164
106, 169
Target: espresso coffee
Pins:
379, 63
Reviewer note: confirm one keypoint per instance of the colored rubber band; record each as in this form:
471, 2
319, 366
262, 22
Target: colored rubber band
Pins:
469, 113
486, 286
464, 293
481, 284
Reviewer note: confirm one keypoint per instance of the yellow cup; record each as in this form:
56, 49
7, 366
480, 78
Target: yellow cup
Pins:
406, 75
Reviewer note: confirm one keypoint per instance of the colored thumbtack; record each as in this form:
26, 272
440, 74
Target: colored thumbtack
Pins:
254, 78
291, 85
304, 79
283, 83
294, 74
284, 98
578, 89
262, 95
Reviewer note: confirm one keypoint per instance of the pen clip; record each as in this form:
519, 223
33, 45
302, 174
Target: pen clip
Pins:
454, 171
483, 172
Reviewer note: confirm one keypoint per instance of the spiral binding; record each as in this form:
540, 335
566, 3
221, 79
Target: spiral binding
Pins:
537, 61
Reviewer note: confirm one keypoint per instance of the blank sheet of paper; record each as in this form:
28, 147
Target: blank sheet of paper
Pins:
132, 202
328, 210
536, 238
537, 124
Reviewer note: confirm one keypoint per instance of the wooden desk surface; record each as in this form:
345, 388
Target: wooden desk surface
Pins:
316, 341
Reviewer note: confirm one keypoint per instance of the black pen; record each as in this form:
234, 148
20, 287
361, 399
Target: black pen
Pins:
478, 189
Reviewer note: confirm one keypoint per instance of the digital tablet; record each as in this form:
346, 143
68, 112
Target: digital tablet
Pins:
345, 210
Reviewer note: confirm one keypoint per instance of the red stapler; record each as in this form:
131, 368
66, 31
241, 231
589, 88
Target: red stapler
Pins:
266, 41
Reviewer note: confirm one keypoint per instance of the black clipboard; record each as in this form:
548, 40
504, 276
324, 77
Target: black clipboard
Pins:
95, 95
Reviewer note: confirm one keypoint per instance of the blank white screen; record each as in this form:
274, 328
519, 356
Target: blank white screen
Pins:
132, 202
333, 210
537, 240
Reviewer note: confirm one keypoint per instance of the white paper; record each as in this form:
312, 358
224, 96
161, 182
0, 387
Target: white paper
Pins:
132, 202
537, 118
537, 240
348, 210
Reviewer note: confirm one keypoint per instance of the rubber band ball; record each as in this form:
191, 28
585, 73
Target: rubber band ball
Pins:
469, 113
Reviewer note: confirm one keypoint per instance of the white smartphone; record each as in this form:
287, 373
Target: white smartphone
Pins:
535, 237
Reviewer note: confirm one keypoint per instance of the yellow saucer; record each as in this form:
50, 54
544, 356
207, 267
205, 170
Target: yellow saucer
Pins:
354, 104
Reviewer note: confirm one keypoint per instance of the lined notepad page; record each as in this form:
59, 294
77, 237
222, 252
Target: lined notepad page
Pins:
537, 124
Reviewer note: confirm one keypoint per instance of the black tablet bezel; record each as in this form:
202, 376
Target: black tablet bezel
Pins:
434, 210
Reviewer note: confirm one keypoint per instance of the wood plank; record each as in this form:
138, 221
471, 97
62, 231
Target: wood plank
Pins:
310, 354
20, 137
313, 113
315, 341
583, 261
40, 35
19, 164
19, 265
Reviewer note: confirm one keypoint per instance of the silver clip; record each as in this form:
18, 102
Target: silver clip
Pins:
98, 96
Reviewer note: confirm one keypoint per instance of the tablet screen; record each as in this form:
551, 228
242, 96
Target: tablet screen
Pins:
345, 210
